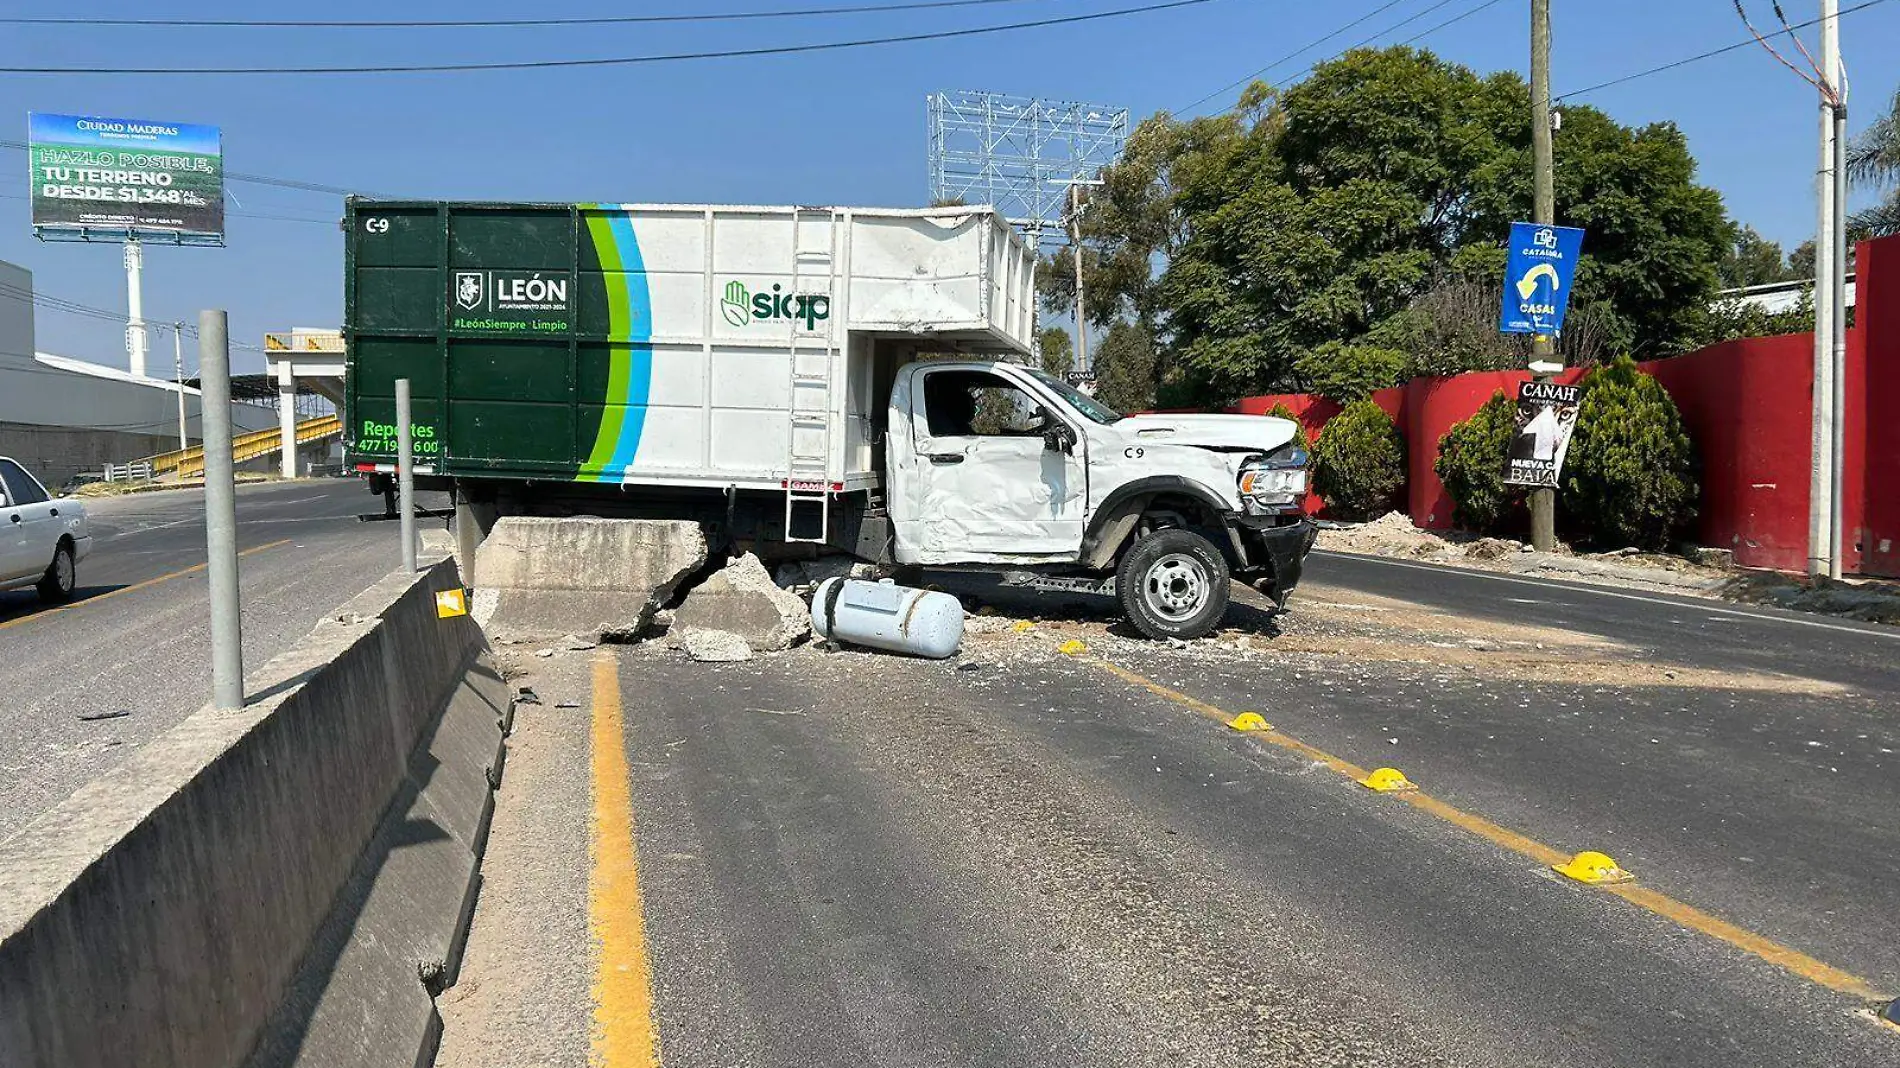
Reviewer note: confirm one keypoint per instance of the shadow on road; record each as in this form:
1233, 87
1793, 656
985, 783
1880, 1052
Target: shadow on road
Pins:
20, 604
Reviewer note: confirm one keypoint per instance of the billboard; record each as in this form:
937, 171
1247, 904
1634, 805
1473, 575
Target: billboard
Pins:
109, 177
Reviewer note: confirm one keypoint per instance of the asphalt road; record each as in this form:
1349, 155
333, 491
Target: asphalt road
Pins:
1027, 857
137, 640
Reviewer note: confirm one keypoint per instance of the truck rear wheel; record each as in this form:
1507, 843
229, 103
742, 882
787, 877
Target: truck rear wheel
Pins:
1173, 584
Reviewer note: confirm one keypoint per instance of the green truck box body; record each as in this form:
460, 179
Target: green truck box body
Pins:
527, 378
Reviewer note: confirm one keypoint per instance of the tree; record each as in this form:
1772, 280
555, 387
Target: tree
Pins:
1346, 373
1125, 368
1752, 260
1321, 213
1630, 476
1471, 461
1058, 352
1873, 162
1727, 320
1359, 462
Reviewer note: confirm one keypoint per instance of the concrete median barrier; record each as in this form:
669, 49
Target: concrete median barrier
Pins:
584, 575
285, 884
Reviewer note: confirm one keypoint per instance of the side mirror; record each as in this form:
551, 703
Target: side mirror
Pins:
1058, 437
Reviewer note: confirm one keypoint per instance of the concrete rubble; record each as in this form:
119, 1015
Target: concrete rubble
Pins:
582, 576
743, 600
715, 646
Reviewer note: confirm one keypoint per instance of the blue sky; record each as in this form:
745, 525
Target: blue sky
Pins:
836, 127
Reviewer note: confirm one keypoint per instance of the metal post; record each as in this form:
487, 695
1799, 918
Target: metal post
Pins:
467, 536
227, 628
134, 308
405, 477
178, 377
1543, 499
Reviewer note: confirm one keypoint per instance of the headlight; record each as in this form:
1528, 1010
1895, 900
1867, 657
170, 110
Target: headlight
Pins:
1279, 479
1268, 483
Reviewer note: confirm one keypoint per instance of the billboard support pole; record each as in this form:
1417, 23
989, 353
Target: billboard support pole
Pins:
135, 307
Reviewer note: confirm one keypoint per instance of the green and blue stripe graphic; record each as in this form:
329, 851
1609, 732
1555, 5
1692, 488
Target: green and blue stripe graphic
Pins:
630, 330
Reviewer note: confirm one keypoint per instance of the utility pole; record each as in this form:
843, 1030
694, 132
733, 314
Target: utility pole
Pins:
178, 377
1544, 211
1075, 243
1830, 310
1836, 73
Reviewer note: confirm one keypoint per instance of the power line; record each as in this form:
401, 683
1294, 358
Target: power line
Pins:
1712, 53
1296, 53
1414, 17
1452, 21
404, 24
618, 61
73, 307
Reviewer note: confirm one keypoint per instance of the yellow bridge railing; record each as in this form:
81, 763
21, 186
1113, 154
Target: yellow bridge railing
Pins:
190, 463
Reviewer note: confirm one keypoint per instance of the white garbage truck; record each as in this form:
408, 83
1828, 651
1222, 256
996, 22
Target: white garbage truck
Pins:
801, 381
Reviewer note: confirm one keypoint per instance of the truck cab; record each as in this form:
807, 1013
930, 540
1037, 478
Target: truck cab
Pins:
995, 465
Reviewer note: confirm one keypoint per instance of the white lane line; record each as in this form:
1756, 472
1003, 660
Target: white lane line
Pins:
1546, 584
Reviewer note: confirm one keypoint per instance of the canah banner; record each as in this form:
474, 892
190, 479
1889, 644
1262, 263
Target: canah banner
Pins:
129, 176
1546, 416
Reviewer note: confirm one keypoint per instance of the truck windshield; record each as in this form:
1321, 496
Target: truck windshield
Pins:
1080, 401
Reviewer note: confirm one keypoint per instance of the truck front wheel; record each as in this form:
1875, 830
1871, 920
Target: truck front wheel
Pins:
1173, 584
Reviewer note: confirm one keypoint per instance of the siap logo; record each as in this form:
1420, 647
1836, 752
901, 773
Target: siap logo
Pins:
741, 306
469, 287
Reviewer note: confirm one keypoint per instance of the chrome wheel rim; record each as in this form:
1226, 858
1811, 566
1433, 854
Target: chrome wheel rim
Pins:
63, 570
1176, 587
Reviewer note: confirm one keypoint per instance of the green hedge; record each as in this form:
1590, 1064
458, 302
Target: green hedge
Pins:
1359, 462
1471, 459
1631, 475
1300, 438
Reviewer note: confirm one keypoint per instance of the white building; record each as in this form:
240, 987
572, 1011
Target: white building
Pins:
61, 416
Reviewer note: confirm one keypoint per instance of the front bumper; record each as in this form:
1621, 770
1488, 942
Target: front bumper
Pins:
1276, 553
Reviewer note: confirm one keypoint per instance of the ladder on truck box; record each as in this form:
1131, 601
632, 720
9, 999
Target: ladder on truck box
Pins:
809, 433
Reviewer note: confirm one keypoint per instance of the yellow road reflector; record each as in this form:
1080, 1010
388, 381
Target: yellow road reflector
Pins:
1388, 781
1593, 867
1023, 626
1250, 721
1074, 647
450, 603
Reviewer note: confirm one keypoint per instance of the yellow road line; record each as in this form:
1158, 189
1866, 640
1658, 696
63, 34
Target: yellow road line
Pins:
1818, 972
623, 1031
134, 588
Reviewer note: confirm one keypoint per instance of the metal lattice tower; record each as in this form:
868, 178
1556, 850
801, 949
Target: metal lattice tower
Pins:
1017, 153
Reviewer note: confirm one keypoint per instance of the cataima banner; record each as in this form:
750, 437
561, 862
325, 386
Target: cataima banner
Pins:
129, 176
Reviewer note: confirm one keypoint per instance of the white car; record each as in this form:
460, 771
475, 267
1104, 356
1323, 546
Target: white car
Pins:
42, 537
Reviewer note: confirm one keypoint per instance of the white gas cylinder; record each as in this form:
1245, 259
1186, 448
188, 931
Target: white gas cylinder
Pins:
884, 615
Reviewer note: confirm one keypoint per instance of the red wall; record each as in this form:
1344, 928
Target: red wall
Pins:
1876, 344
1747, 405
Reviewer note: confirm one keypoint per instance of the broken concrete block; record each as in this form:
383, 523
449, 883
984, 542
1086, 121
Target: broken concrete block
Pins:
584, 576
715, 646
742, 599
